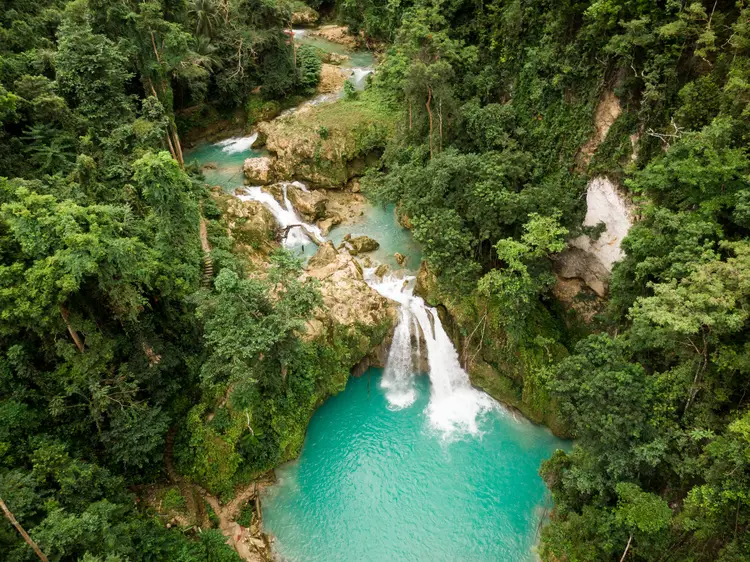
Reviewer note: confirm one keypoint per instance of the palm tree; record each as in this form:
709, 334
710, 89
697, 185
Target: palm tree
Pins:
205, 55
206, 14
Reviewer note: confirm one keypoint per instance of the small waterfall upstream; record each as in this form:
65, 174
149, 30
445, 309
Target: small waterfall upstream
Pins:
455, 405
235, 145
286, 215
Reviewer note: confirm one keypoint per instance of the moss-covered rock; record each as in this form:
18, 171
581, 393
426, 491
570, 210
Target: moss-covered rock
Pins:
328, 144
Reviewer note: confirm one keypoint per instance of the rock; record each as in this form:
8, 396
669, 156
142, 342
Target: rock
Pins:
347, 300
259, 142
347, 236
336, 34
362, 244
382, 270
366, 261
310, 204
305, 15
354, 185
209, 166
321, 145
259, 171
325, 255
575, 263
332, 79
326, 225
605, 205
607, 112
402, 218
400, 258
333, 58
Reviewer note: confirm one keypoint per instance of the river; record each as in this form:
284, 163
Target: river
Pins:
403, 465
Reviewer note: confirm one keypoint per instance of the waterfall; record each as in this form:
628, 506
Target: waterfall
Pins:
399, 370
234, 145
455, 406
358, 77
285, 215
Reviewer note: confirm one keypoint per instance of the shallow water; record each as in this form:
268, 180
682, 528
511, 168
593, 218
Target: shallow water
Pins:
356, 58
375, 483
227, 157
380, 223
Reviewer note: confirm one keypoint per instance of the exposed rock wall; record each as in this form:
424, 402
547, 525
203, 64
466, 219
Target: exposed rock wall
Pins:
591, 259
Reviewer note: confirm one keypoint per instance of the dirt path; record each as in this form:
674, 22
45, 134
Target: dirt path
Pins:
249, 542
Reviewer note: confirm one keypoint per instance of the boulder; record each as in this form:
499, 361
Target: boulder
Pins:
325, 255
354, 185
310, 204
259, 171
327, 224
259, 142
336, 34
333, 58
575, 263
305, 15
332, 79
400, 258
363, 244
382, 270
347, 299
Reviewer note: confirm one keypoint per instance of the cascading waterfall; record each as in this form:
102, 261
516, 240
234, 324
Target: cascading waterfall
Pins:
359, 77
285, 215
455, 406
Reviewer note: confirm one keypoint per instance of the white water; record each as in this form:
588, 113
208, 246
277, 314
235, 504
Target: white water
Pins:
359, 76
234, 145
455, 406
285, 215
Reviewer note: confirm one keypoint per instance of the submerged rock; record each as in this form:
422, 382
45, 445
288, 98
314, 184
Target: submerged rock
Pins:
363, 244
259, 171
400, 258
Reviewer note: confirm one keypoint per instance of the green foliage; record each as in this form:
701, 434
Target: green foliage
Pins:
350, 92
308, 68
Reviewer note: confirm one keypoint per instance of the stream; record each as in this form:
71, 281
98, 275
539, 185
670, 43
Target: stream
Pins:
405, 464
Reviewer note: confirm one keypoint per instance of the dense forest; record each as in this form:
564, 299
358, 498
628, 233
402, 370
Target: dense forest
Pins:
115, 345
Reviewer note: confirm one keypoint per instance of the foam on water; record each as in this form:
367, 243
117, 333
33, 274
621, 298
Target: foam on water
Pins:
302, 233
234, 145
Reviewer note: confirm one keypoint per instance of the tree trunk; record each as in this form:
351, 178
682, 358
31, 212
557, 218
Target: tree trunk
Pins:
177, 144
410, 122
73, 334
429, 112
627, 547
21, 530
440, 125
